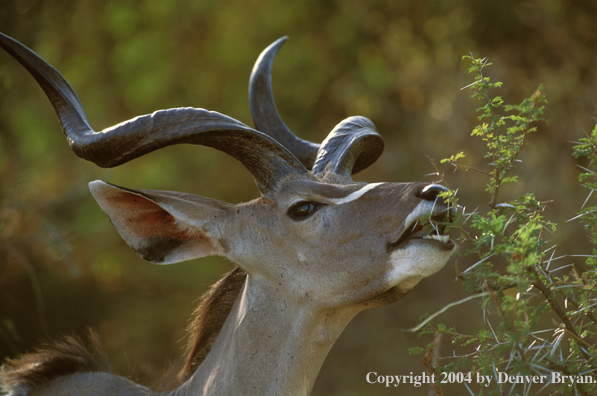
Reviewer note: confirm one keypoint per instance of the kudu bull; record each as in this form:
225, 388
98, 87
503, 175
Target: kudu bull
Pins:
313, 251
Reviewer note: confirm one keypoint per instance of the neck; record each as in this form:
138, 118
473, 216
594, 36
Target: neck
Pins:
269, 345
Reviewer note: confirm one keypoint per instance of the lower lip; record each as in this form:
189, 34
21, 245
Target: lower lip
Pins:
449, 245
440, 238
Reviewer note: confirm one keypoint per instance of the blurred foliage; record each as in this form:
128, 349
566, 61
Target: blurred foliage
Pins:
62, 265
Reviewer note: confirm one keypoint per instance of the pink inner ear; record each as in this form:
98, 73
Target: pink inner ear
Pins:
146, 219
148, 228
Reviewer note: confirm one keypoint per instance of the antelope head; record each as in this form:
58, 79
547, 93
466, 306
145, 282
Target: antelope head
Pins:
315, 241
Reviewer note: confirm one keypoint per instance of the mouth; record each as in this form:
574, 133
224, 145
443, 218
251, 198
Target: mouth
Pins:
431, 229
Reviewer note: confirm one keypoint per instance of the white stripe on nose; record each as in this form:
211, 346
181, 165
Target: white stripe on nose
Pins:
355, 195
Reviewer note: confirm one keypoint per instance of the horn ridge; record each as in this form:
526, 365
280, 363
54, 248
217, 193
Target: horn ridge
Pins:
351, 146
267, 160
271, 154
264, 112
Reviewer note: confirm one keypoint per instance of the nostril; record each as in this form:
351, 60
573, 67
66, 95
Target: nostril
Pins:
431, 191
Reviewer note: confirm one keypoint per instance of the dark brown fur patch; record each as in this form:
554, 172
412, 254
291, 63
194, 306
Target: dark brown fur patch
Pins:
209, 318
158, 248
67, 356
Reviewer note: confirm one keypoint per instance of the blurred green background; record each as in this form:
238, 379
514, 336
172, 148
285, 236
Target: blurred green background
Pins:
64, 268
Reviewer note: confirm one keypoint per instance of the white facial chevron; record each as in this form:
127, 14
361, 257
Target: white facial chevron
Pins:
355, 195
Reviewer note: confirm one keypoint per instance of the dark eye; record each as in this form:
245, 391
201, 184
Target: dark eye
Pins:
302, 210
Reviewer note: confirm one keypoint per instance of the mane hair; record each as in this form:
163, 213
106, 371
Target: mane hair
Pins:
209, 318
63, 357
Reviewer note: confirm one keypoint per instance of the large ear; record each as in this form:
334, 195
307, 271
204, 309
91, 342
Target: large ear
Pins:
162, 227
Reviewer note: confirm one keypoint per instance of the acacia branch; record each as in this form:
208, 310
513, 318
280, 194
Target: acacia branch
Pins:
557, 309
